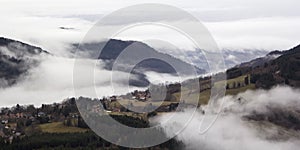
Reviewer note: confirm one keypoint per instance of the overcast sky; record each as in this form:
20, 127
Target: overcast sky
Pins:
235, 24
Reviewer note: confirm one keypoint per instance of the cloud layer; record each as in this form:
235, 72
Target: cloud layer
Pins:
52, 81
232, 132
234, 24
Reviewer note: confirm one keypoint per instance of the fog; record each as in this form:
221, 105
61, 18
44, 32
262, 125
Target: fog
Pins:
234, 25
232, 132
52, 81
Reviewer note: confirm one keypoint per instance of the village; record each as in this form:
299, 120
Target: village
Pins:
19, 121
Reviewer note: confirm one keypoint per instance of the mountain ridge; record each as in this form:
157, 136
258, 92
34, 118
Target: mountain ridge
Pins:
269, 70
138, 55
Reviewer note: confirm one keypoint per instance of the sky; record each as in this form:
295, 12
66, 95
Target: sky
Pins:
234, 24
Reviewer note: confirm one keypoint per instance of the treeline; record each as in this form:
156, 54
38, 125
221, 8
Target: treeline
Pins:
56, 140
123, 119
87, 140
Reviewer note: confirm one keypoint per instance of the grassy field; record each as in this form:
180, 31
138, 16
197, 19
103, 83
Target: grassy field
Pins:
204, 96
189, 97
59, 127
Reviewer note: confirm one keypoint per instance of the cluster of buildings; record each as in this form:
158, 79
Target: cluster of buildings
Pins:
8, 125
14, 121
141, 95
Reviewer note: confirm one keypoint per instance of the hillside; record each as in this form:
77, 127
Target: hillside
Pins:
114, 48
231, 57
16, 58
278, 67
133, 53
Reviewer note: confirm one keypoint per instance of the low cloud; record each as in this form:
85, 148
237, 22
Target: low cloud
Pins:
232, 131
52, 81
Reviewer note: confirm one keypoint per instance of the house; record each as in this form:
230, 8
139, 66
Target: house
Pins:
4, 121
18, 134
113, 98
142, 98
10, 139
74, 115
19, 115
41, 114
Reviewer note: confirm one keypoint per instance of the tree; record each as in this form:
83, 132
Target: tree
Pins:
18, 109
31, 109
266, 65
246, 80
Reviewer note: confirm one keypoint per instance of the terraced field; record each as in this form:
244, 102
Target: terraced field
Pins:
204, 96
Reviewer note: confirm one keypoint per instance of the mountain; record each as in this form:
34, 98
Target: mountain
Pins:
277, 67
289, 66
261, 60
231, 57
16, 58
134, 53
114, 48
